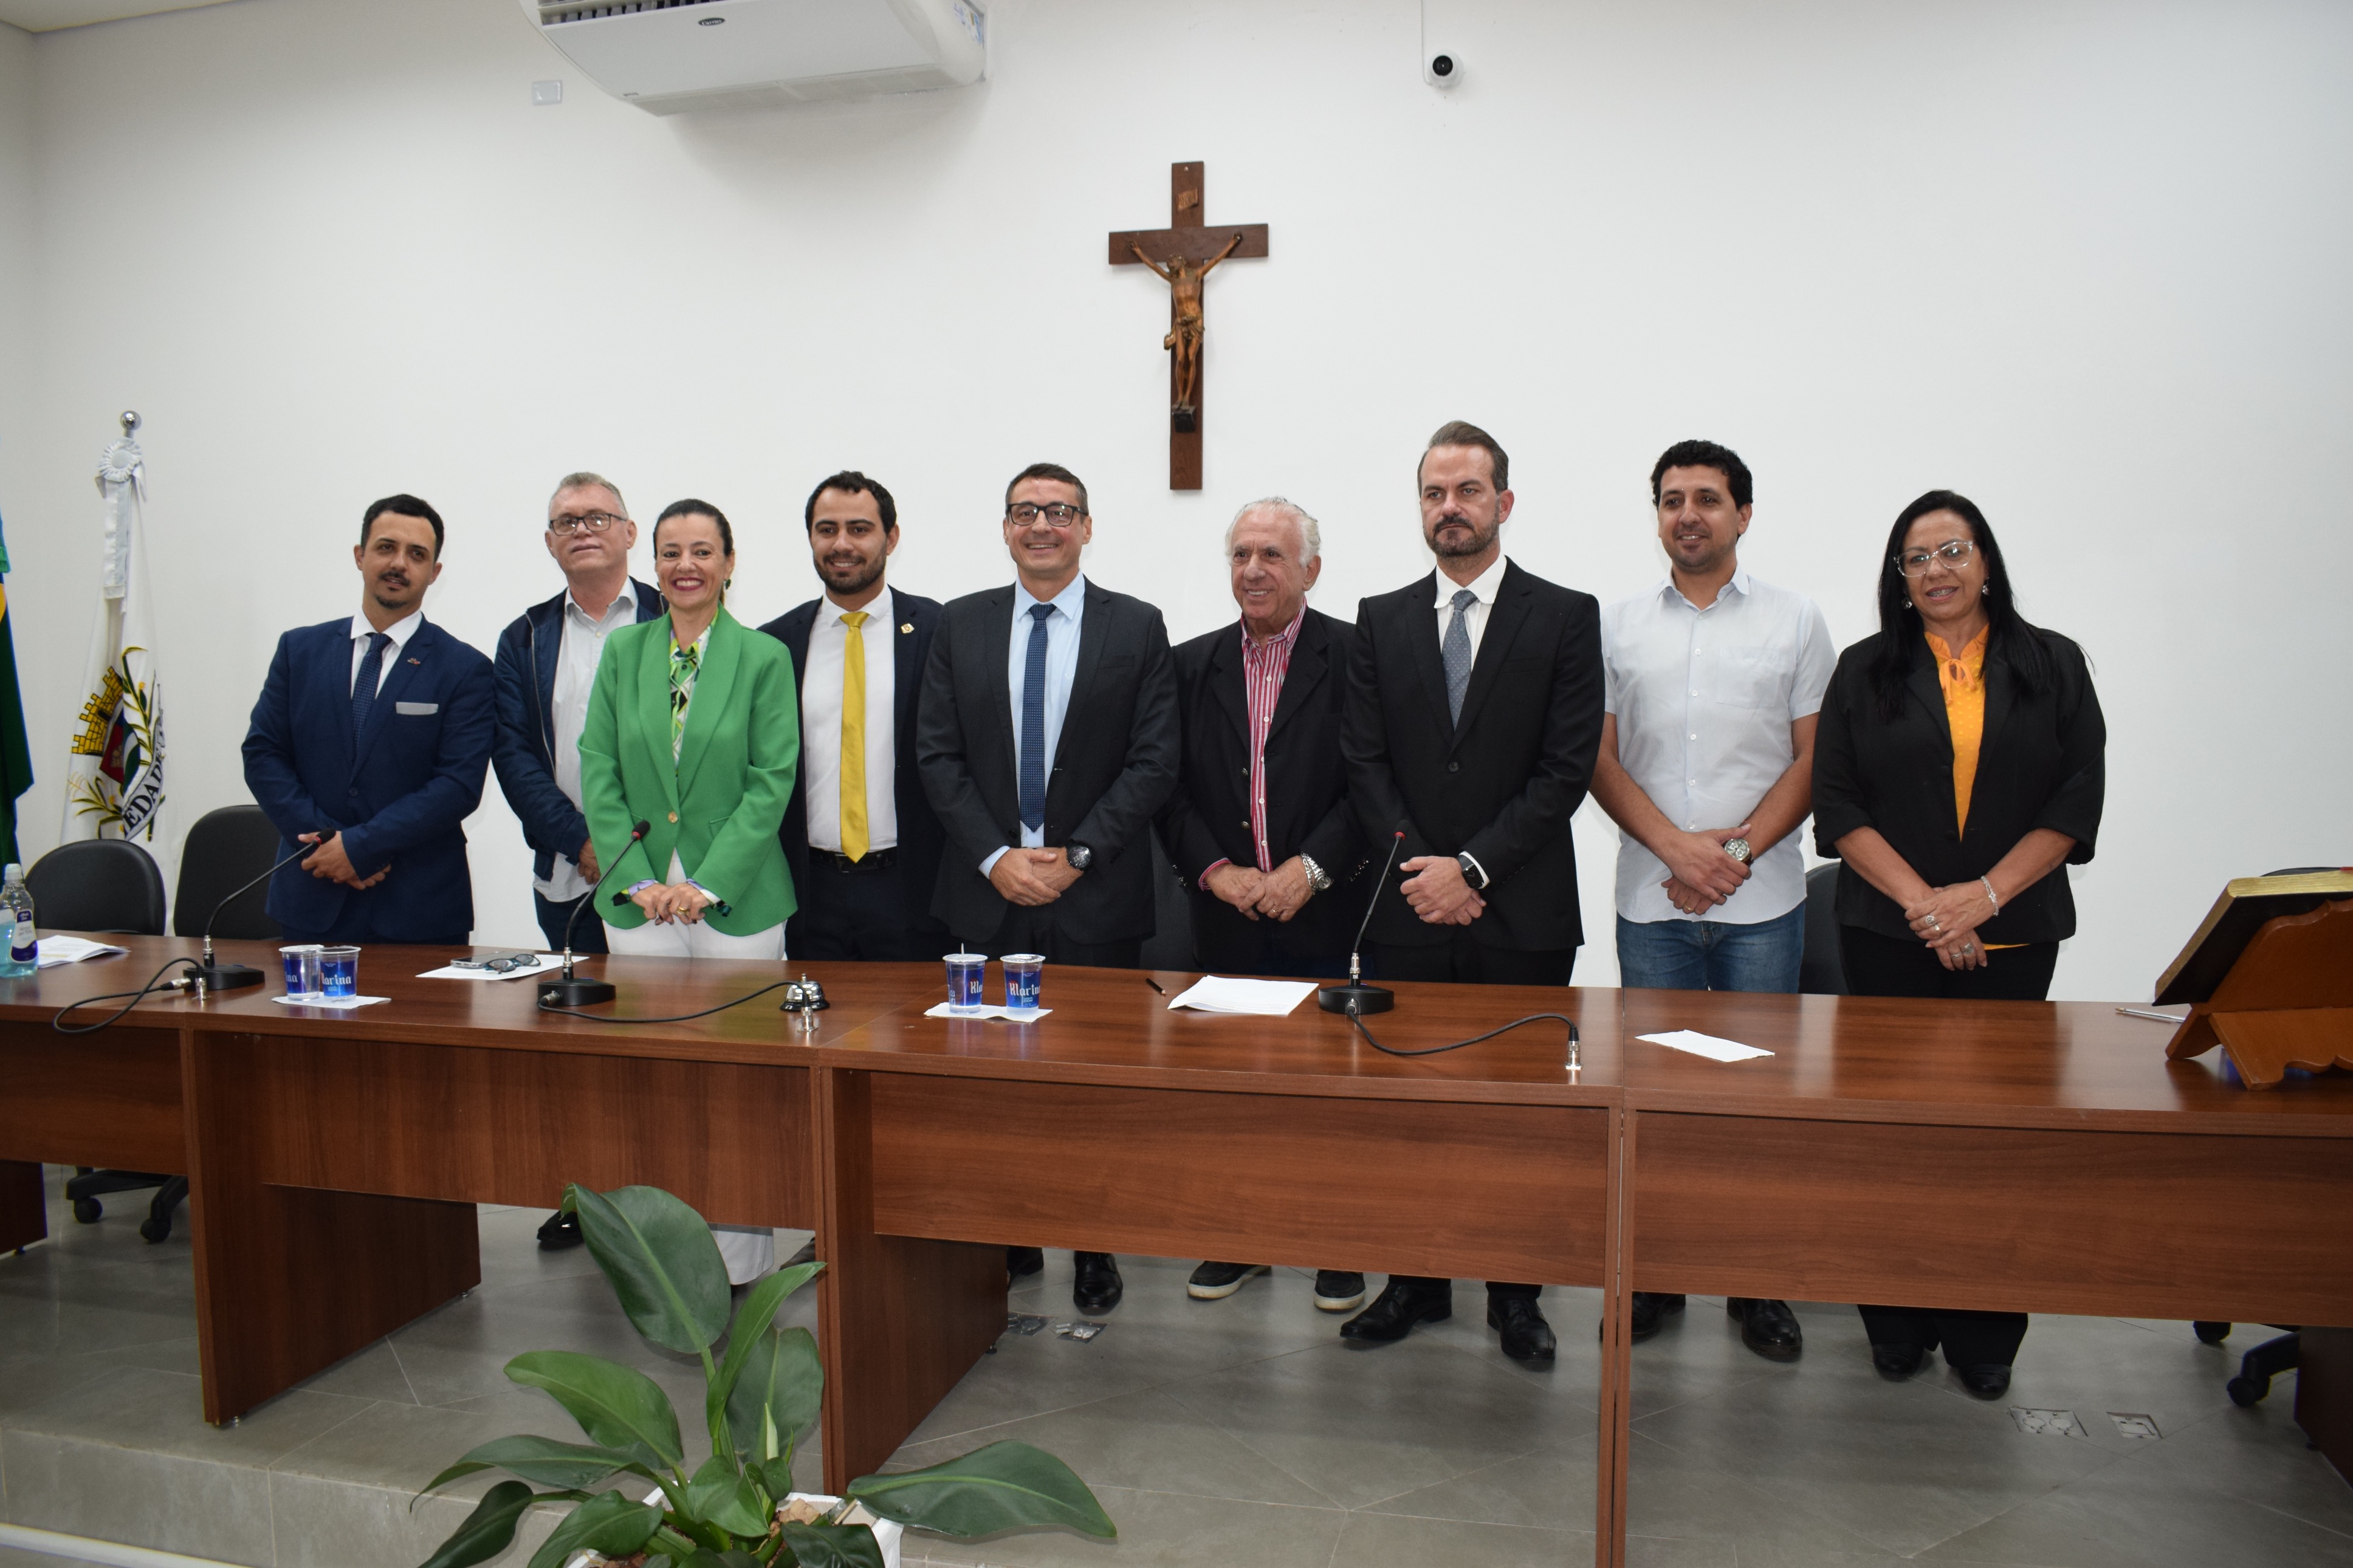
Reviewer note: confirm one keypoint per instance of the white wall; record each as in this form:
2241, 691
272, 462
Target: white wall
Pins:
2082, 261
17, 300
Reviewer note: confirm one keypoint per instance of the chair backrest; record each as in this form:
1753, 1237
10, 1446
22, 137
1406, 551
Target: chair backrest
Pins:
98, 884
1820, 972
1171, 946
225, 849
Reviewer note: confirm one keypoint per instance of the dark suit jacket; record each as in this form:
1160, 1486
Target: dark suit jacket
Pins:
1207, 818
920, 838
398, 794
529, 650
1113, 764
1504, 782
2040, 763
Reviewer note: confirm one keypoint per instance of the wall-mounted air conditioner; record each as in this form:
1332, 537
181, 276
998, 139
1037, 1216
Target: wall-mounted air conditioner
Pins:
671, 56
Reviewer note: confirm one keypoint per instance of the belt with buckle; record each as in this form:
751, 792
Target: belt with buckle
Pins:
874, 860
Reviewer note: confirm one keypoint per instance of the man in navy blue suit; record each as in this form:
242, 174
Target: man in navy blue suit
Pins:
370, 742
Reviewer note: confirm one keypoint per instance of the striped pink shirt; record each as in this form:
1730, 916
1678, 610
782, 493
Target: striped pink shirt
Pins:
1263, 666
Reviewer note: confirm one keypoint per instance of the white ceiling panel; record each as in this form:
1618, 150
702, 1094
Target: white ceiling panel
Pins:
47, 16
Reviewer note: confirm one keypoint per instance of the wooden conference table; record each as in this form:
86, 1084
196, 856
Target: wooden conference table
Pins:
2026, 1156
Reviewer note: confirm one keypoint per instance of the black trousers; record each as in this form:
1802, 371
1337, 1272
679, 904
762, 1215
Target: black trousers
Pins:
1461, 958
861, 913
340, 938
1033, 930
1267, 947
1880, 965
588, 936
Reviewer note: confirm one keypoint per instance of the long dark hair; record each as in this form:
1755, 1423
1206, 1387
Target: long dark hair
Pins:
2027, 647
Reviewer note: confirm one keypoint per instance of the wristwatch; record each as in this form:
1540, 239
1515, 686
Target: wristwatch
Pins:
1317, 877
1471, 874
1738, 849
1079, 856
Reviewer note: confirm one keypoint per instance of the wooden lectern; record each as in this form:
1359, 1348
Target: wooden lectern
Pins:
2269, 977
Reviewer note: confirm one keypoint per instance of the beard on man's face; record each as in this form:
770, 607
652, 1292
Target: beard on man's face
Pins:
1469, 537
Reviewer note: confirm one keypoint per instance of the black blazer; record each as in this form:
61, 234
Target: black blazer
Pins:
1504, 782
1113, 764
920, 838
2041, 764
1207, 819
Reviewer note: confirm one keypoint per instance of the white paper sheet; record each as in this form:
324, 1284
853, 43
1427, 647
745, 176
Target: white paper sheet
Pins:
541, 963
1708, 1046
52, 950
1262, 998
1011, 1015
339, 1003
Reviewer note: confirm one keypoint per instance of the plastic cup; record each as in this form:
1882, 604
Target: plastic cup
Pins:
1022, 975
965, 971
339, 970
301, 963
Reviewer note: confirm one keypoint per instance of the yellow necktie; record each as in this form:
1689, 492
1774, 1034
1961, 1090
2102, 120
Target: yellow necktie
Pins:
853, 737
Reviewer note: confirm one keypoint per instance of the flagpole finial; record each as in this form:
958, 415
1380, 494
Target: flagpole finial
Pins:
129, 423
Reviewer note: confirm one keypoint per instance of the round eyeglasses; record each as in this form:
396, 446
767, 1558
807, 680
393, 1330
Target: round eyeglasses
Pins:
1953, 554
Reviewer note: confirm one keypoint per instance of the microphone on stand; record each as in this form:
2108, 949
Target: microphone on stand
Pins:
1356, 999
572, 991
215, 976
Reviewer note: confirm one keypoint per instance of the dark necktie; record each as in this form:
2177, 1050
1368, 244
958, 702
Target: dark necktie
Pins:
1455, 650
364, 687
1033, 722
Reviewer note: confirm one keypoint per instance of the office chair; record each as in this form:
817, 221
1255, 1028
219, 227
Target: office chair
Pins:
2275, 1355
1820, 972
225, 849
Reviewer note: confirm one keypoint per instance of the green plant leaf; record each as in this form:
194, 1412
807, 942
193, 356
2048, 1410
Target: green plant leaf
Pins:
662, 1262
752, 1323
488, 1530
720, 1494
571, 1465
781, 1376
1006, 1485
834, 1545
608, 1524
618, 1407
776, 1475
706, 1558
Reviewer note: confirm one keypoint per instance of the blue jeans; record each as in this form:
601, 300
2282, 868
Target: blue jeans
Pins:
1710, 955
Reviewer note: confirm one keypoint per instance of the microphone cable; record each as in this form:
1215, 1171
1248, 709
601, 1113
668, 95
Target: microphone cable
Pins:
1475, 1039
672, 1017
155, 985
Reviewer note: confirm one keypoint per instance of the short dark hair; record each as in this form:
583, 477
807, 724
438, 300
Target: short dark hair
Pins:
853, 482
1705, 455
1054, 471
1463, 432
692, 508
2027, 647
405, 506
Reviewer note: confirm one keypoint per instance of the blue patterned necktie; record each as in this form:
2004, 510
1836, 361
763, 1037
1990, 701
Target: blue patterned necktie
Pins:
364, 684
1456, 651
1033, 722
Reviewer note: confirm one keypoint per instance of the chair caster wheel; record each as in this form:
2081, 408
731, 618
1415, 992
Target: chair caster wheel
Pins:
2210, 1334
89, 1211
155, 1230
2245, 1392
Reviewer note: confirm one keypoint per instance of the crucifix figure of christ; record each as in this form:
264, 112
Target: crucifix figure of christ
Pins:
1184, 254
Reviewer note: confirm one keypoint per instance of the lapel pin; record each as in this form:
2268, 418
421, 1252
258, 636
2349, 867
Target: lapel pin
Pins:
907, 626
417, 662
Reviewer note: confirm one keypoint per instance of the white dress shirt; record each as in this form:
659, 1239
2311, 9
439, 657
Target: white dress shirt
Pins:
400, 631
823, 684
1704, 699
580, 645
1485, 585
1062, 668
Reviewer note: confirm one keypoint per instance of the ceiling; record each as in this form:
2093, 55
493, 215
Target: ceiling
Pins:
47, 16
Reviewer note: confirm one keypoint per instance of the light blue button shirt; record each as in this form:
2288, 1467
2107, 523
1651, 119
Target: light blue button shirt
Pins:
1062, 668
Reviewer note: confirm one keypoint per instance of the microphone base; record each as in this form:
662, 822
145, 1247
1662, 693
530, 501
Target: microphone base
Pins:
225, 976
1361, 1000
574, 992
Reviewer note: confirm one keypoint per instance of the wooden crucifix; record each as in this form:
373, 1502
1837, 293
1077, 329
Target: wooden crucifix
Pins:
1183, 254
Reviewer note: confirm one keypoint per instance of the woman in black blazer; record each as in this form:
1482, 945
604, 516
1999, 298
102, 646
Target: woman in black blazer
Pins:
1958, 765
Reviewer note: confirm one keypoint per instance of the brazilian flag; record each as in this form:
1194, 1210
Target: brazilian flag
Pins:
15, 756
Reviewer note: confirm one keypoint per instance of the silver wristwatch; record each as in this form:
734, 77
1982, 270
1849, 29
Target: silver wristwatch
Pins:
1317, 877
1738, 849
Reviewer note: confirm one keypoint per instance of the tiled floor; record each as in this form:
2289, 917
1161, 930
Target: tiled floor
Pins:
1241, 1432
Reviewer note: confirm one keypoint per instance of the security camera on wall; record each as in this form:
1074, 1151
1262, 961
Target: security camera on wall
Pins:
1440, 67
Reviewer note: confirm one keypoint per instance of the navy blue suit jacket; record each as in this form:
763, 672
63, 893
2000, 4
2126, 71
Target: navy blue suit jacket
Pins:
529, 650
398, 794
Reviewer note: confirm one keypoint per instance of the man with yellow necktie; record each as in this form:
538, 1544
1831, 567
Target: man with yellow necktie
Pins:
862, 841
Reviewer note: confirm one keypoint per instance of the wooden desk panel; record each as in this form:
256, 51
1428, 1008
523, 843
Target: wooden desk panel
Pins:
111, 1099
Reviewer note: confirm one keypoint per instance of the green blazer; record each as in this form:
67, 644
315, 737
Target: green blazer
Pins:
718, 807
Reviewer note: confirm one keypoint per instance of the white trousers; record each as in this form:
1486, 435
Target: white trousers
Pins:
750, 1251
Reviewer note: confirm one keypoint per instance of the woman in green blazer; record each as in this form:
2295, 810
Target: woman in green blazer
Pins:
693, 727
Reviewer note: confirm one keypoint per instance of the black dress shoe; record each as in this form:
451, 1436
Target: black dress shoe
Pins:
1526, 1335
1215, 1281
1767, 1327
1096, 1287
560, 1230
1650, 1310
1896, 1363
1400, 1305
1988, 1382
1022, 1261
1338, 1292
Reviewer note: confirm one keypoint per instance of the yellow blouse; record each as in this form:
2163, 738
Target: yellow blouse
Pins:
1962, 676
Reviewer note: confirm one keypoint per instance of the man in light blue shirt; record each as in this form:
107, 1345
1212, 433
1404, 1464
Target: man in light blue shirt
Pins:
1714, 683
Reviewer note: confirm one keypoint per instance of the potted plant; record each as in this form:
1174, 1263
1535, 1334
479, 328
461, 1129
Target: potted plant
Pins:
760, 1395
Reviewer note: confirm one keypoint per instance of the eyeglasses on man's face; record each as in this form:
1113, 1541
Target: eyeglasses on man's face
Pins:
1061, 514
572, 521
1953, 554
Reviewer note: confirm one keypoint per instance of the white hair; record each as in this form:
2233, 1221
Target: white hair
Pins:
1308, 530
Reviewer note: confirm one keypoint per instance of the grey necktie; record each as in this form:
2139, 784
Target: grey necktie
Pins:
1455, 649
